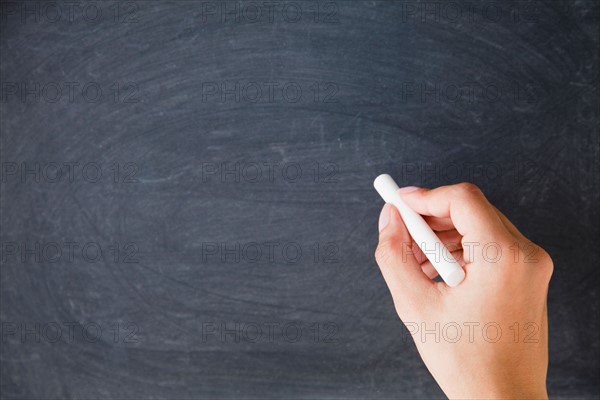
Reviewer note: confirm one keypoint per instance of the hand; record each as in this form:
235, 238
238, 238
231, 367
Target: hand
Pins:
487, 337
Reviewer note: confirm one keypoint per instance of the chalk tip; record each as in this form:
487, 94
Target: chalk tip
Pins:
455, 278
381, 179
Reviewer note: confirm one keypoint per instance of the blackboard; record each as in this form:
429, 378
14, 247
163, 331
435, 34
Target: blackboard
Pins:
187, 207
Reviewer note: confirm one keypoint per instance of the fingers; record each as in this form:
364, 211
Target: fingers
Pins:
451, 239
430, 270
445, 223
400, 269
466, 206
439, 224
459, 214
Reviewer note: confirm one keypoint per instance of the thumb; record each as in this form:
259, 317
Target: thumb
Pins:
402, 273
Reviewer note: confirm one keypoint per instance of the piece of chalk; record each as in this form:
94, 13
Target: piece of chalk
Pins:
433, 248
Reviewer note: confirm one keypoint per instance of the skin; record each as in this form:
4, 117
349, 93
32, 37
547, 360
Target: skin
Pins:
499, 309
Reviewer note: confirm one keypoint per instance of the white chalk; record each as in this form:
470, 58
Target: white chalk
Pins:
433, 248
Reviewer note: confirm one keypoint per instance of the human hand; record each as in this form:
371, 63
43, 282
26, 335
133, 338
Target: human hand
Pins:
487, 337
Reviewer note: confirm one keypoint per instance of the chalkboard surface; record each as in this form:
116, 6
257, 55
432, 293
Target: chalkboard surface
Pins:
187, 207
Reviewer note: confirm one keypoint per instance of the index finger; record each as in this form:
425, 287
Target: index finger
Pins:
471, 213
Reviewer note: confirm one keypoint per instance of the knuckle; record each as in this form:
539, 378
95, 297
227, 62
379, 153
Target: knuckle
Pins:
546, 263
466, 189
384, 252
533, 254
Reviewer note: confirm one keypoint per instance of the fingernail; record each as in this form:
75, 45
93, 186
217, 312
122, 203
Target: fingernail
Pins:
384, 217
407, 189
